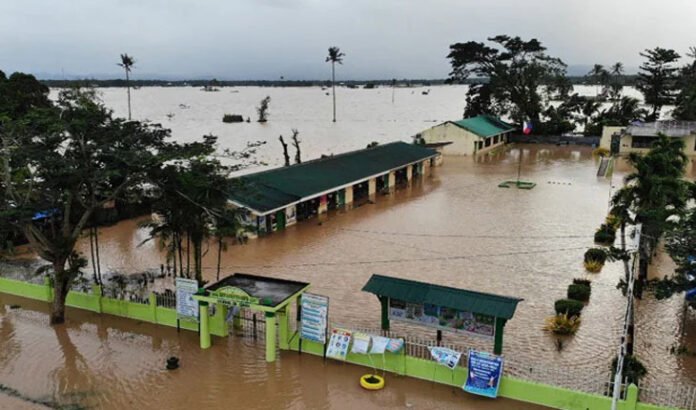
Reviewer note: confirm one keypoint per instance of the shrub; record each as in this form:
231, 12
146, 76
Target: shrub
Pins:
562, 324
605, 235
601, 152
596, 254
613, 221
593, 266
232, 118
633, 369
581, 281
569, 307
579, 292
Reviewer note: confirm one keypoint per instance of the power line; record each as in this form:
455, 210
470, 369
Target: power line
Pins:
436, 235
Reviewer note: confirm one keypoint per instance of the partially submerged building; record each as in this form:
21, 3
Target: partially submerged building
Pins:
468, 136
280, 197
639, 137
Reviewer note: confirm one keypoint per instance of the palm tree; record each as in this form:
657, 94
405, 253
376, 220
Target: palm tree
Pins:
127, 63
335, 56
589, 108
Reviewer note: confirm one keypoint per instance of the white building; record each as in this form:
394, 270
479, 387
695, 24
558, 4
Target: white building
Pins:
469, 136
639, 137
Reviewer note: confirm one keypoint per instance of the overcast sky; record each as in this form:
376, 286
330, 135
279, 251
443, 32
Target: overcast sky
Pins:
266, 39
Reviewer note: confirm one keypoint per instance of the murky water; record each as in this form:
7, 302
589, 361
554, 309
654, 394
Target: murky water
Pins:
455, 228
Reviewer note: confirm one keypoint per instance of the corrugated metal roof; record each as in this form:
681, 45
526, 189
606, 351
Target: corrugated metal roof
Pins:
668, 128
484, 125
269, 190
460, 299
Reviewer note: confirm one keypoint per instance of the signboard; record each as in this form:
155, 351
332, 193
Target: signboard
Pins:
234, 296
485, 372
442, 318
338, 344
314, 317
186, 305
361, 343
446, 357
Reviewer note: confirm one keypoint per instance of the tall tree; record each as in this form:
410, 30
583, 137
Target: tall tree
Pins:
514, 71
657, 79
286, 156
686, 100
63, 162
617, 81
296, 144
600, 77
335, 56
127, 63
262, 109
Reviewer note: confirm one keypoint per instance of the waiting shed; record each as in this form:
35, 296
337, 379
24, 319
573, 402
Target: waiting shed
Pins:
263, 294
442, 307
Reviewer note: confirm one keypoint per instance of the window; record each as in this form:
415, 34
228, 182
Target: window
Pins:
642, 142
495, 139
488, 142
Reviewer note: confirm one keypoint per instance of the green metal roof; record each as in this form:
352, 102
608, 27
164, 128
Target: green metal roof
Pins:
484, 125
276, 188
461, 299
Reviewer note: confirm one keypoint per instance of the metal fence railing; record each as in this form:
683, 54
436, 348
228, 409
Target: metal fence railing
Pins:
679, 396
166, 299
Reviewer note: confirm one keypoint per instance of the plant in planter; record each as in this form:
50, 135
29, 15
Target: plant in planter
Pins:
594, 259
582, 281
633, 369
568, 307
579, 292
605, 235
562, 324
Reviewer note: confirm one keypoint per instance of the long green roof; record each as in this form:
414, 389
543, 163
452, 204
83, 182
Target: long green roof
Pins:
461, 299
484, 125
269, 190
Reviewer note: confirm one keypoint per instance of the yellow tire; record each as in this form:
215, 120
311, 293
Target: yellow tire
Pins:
372, 382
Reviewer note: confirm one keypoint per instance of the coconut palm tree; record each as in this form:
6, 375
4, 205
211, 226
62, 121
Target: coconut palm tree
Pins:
335, 56
127, 62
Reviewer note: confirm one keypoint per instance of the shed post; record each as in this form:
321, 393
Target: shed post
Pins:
372, 187
384, 301
409, 173
205, 327
283, 326
498, 344
270, 337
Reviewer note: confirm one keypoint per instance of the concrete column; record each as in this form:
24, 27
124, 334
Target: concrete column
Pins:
426, 167
372, 187
392, 181
349, 196
409, 173
153, 307
270, 337
97, 293
323, 205
205, 328
283, 327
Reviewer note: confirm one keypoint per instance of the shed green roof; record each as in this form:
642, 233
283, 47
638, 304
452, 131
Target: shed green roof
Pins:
269, 190
484, 125
461, 299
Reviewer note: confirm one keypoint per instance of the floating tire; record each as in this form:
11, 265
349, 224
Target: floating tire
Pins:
372, 382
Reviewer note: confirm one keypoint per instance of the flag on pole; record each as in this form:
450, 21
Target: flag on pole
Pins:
527, 127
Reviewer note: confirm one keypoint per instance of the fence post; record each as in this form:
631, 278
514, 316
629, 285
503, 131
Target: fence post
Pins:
49, 294
153, 307
631, 402
97, 295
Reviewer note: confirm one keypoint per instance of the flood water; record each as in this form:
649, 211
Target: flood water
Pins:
454, 228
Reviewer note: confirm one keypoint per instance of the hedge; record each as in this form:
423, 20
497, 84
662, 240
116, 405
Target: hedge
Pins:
579, 292
568, 306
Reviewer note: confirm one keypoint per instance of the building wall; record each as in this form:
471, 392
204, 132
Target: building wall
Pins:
607, 132
462, 141
627, 140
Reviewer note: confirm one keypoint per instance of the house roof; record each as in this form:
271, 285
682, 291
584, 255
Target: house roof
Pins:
461, 299
484, 125
668, 128
266, 191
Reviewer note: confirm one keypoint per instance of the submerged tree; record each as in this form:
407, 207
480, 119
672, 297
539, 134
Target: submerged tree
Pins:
335, 56
286, 156
127, 63
513, 70
262, 109
657, 79
64, 161
296, 144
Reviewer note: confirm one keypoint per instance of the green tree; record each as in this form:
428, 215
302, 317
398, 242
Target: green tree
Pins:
617, 81
513, 70
686, 99
600, 77
335, 56
262, 109
64, 161
127, 63
657, 79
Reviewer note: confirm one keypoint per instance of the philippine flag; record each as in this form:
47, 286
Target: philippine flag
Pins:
527, 127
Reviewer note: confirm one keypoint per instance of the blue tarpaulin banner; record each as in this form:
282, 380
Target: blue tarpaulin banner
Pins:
484, 373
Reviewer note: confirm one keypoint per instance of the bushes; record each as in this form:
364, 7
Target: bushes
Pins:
562, 324
605, 235
633, 369
568, 306
593, 266
232, 118
579, 281
596, 254
579, 292
601, 152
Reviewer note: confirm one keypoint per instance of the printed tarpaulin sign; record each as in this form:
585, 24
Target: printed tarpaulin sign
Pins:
444, 356
186, 305
394, 345
485, 371
361, 343
314, 317
379, 344
338, 344
442, 317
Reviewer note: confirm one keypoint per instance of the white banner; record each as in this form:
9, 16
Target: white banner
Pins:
186, 305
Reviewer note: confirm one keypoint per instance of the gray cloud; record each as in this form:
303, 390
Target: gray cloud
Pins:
264, 39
